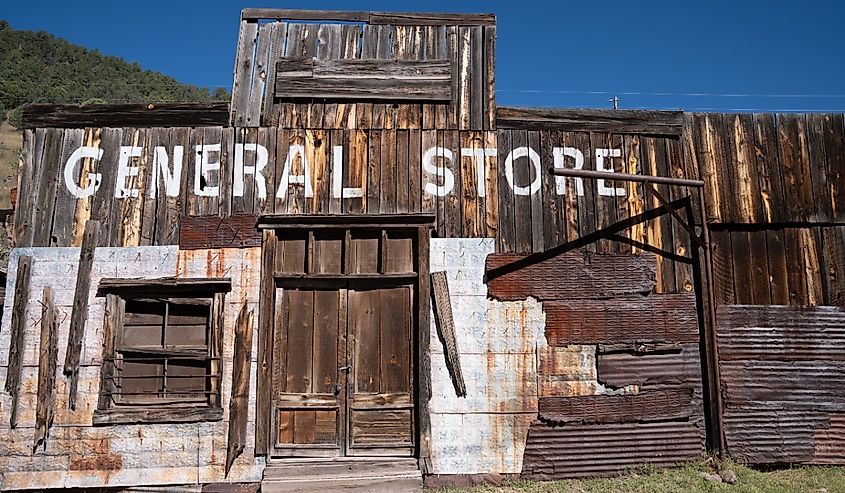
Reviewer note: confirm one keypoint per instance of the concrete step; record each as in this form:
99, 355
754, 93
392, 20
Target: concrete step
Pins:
342, 475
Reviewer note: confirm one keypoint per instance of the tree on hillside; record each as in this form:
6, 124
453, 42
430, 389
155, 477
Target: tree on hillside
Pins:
37, 67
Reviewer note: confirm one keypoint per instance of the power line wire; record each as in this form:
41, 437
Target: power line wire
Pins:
671, 94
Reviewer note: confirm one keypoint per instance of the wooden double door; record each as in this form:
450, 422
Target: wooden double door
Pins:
343, 354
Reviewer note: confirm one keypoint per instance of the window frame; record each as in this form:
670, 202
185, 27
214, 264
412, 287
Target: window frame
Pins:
117, 292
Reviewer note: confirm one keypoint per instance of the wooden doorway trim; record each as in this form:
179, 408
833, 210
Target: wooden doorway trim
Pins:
276, 225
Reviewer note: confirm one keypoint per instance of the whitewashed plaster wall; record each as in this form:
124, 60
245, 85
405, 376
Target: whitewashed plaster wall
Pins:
499, 343
79, 455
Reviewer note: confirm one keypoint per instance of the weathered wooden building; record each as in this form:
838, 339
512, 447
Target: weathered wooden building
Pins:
362, 268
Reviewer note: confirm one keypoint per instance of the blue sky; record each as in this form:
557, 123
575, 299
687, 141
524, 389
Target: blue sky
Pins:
652, 54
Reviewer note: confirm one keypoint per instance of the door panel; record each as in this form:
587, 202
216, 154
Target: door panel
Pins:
380, 397
308, 393
343, 343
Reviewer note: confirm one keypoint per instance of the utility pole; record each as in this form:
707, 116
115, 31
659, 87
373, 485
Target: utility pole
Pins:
615, 102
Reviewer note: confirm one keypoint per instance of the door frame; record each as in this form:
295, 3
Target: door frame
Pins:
274, 227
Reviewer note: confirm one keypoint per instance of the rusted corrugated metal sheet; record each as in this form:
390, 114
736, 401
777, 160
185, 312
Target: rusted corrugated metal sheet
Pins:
572, 275
782, 370
781, 333
829, 449
618, 369
767, 435
645, 407
654, 318
607, 449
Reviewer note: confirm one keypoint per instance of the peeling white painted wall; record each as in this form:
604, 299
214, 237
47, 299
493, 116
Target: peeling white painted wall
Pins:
484, 432
150, 454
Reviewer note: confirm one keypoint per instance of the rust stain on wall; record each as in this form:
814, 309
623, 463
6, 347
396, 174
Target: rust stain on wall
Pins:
105, 462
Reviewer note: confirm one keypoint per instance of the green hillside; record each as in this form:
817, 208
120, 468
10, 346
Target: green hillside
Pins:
37, 67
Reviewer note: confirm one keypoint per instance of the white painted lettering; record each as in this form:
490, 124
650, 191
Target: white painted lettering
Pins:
94, 179
443, 173
601, 165
161, 165
289, 179
534, 159
479, 154
255, 170
338, 190
203, 167
560, 153
125, 171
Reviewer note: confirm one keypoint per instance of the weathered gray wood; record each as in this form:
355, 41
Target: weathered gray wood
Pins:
125, 115
304, 15
446, 330
239, 403
163, 285
423, 347
611, 121
407, 19
80, 307
112, 323
47, 353
13, 373
244, 66
431, 19
158, 416
418, 80
266, 303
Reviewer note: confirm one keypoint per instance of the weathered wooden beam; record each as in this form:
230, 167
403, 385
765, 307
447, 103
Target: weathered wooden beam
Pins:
239, 403
266, 307
431, 19
446, 330
48, 352
157, 416
173, 286
272, 221
668, 123
213, 231
90, 239
125, 115
375, 18
13, 373
304, 15
395, 80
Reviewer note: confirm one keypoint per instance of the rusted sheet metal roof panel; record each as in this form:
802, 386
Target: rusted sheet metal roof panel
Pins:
669, 318
618, 369
575, 451
571, 275
782, 333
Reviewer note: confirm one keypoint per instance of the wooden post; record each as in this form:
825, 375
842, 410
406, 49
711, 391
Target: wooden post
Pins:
80, 308
423, 343
48, 351
238, 404
266, 304
13, 375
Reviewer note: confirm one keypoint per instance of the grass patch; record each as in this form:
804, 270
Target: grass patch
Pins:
688, 478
